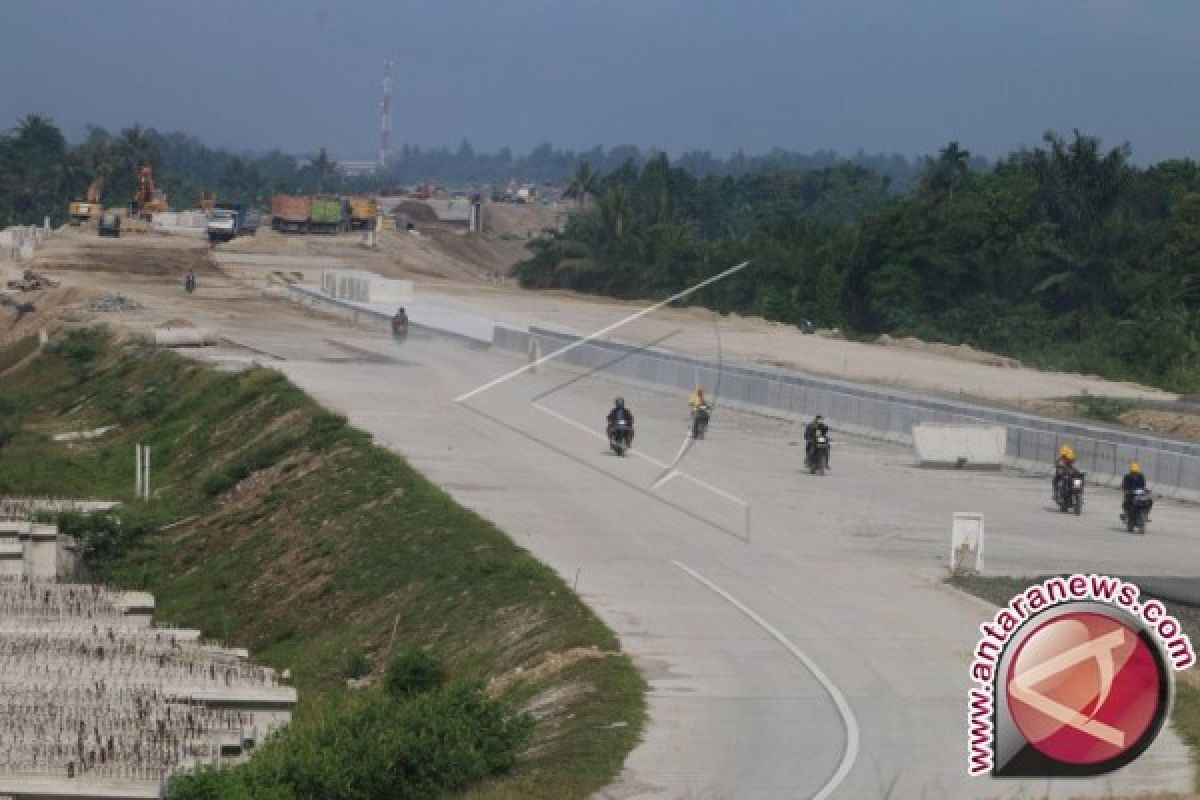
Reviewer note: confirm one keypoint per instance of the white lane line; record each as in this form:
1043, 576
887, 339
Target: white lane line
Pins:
849, 722
670, 472
580, 342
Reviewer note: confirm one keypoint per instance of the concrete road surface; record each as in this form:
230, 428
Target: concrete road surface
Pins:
795, 630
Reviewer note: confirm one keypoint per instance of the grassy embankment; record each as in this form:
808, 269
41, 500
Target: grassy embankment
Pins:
274, 525
1185, 714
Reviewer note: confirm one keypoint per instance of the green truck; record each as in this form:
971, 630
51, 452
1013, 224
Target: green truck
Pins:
329, 214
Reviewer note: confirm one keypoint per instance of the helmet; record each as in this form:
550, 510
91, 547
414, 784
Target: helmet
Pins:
1067, 452
700, 389
818, 418
620, 402
1135, 468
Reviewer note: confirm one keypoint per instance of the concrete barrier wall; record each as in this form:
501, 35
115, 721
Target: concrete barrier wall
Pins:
938, 445
1172, 467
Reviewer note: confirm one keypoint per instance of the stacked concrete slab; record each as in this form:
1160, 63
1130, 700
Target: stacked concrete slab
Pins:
99, 703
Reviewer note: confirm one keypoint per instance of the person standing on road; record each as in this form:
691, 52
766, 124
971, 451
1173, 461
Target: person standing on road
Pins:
1133, 480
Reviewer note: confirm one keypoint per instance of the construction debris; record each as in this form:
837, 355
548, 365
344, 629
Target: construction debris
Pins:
32, 282
115, 302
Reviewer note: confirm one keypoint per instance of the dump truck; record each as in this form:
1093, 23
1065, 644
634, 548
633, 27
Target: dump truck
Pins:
328, 214
363, 211
228, 220
290, 212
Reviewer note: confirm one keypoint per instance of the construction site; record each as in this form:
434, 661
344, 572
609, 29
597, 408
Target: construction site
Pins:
319, 309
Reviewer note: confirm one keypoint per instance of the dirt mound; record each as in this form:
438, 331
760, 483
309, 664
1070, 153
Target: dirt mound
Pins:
520, 220
52, 309
416, 211
157, 256
962, 352
1166, 423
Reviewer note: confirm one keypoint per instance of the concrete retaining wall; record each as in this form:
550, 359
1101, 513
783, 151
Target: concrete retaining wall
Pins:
1172, 467
361, 286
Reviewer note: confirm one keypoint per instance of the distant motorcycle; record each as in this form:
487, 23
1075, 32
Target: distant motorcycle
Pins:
189, 283
620, 435
1139, 511
700, 417
1068, 492
817, 459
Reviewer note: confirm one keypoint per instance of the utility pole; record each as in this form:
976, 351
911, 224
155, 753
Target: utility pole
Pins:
385, 117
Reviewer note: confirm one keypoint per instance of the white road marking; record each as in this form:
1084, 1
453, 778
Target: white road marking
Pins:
849, 722
669, 472
603, 331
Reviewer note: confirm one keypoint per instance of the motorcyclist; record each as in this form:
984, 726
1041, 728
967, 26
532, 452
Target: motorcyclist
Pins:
1133, 480
815, 428
697, 399
619, 413
189, 280
400, 322
1064, 466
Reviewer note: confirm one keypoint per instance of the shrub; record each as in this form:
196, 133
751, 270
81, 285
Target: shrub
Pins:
411, 672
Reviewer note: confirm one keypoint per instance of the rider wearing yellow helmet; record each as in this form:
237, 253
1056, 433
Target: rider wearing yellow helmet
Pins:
1133, 480
1064, 466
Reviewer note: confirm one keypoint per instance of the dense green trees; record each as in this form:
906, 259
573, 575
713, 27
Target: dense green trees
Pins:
1065, 255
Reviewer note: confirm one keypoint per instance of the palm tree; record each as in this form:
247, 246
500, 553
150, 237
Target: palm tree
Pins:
948, 171
583, 184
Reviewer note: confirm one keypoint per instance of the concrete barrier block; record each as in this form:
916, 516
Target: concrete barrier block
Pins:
959, 446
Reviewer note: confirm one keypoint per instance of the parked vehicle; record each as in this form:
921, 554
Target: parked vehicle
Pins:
222, 225
1068, 492
363, 211
328, 214
290, 212
110, 223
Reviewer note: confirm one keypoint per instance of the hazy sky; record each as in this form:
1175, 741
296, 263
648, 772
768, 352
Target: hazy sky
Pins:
883, 75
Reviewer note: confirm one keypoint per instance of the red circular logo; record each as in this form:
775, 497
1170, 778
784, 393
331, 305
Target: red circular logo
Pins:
1084, 688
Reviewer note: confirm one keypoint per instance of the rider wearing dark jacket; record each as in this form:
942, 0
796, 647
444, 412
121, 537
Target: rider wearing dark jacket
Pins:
811, 431
620, 412
1133, 480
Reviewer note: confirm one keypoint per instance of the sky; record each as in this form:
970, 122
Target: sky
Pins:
903, 76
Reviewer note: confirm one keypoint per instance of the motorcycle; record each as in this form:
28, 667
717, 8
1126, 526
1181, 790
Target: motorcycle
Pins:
700, 417
620, 435
189, 284
817, 460
1068, 492
1139, 511
399, 329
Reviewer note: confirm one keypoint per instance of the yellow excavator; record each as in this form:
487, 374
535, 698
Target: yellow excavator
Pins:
82, 211
148, 200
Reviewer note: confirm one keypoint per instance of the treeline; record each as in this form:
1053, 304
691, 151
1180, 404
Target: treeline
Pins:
40, 171
463, 166
1065, 255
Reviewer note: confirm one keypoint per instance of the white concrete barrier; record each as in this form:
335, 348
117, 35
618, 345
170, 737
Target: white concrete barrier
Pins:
959, 446
185, 337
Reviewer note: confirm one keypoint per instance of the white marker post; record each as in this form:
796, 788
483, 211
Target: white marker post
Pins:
146, 473
966, 542
137, 466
